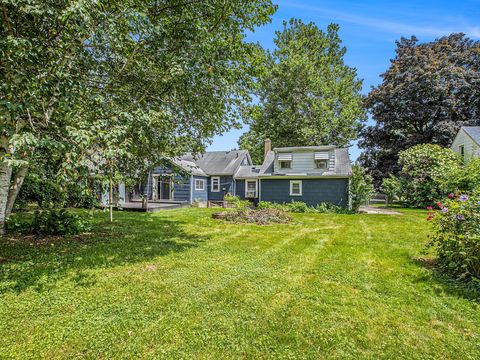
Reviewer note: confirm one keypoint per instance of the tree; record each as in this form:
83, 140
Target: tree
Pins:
360, 187
307, 94
174, 73
429, 92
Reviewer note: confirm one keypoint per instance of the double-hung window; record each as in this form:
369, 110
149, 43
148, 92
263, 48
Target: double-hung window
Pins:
321, 159
215, 184
285, 160
295, 187
199, 184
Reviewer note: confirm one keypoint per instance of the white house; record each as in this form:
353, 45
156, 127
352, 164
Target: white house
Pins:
467, 142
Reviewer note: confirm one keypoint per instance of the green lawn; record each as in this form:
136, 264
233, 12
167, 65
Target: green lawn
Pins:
178, 284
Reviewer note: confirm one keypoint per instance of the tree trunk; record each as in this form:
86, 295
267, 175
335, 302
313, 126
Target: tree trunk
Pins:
15, 188
5, 176
110, 199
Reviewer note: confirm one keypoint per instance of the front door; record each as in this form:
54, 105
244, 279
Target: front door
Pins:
165, 188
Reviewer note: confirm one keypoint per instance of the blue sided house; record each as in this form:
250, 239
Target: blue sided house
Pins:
312, 174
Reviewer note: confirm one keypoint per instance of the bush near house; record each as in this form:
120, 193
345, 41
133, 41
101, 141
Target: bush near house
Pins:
456, 235
424, 169
361, 187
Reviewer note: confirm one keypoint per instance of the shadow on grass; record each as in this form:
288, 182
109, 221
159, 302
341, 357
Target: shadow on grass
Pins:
37, 263
446, 283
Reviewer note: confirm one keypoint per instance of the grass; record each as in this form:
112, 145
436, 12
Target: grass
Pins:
178, 284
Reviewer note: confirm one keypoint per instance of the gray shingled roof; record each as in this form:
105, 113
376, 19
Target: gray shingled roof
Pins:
189, 166
473, 132
247, 171
343, 166
218, 162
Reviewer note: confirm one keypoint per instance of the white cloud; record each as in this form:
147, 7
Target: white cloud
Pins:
393, 27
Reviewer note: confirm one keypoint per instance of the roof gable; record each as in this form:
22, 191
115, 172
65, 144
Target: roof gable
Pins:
473, 132
219, 162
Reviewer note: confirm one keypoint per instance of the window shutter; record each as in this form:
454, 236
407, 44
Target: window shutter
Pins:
321, 156
285, 157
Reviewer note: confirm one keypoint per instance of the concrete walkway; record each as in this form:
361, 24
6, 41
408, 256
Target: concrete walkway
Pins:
377, 210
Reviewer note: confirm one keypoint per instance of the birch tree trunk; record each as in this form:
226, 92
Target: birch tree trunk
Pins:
5, 176
110, 198
15, 188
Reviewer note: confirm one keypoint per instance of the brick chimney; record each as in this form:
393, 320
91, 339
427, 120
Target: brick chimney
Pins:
268, 146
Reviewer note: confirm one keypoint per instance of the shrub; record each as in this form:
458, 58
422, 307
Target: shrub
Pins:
456, 235
236, 202
361, 187
392, 187
301, 207
424, 169
464, 178
58, 222
258, 216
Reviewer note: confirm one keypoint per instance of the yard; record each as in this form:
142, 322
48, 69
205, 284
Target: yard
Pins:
178, 284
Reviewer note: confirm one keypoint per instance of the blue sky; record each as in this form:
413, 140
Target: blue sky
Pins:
369, 30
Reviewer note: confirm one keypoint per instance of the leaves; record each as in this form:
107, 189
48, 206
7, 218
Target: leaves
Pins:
307, 94
429, 92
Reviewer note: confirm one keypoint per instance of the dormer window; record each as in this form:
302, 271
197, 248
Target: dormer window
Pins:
285, 160
321, 159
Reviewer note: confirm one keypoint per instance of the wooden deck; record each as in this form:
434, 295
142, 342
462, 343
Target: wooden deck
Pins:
152, 206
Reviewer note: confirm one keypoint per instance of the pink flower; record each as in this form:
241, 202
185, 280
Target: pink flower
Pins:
451, 196
429, 207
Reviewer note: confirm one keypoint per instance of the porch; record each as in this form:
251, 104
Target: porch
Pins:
153, 206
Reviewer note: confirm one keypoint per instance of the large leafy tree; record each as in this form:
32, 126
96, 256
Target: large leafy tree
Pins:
157, 77
429, 92
308, 95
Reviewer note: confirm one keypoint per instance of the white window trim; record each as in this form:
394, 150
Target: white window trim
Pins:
300, 185
211, 187
284, 168
246, 187
197, 181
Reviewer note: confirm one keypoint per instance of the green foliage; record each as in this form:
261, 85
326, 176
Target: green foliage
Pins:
44, 191
301, 207
429, 92
464, 178
236, 202
392, 187
361, 187
424, 169
456, 235
102, 84
55, 221
58, 222
307, 94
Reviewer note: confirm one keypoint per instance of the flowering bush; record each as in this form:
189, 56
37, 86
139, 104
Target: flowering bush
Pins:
425, 169
456, 235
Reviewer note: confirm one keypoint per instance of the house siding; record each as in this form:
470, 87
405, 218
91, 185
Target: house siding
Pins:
200, 195
304, 162
226, 186
240, 188
181, 184
314, 191
472, 150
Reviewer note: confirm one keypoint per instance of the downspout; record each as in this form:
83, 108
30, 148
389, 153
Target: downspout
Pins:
259, 189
